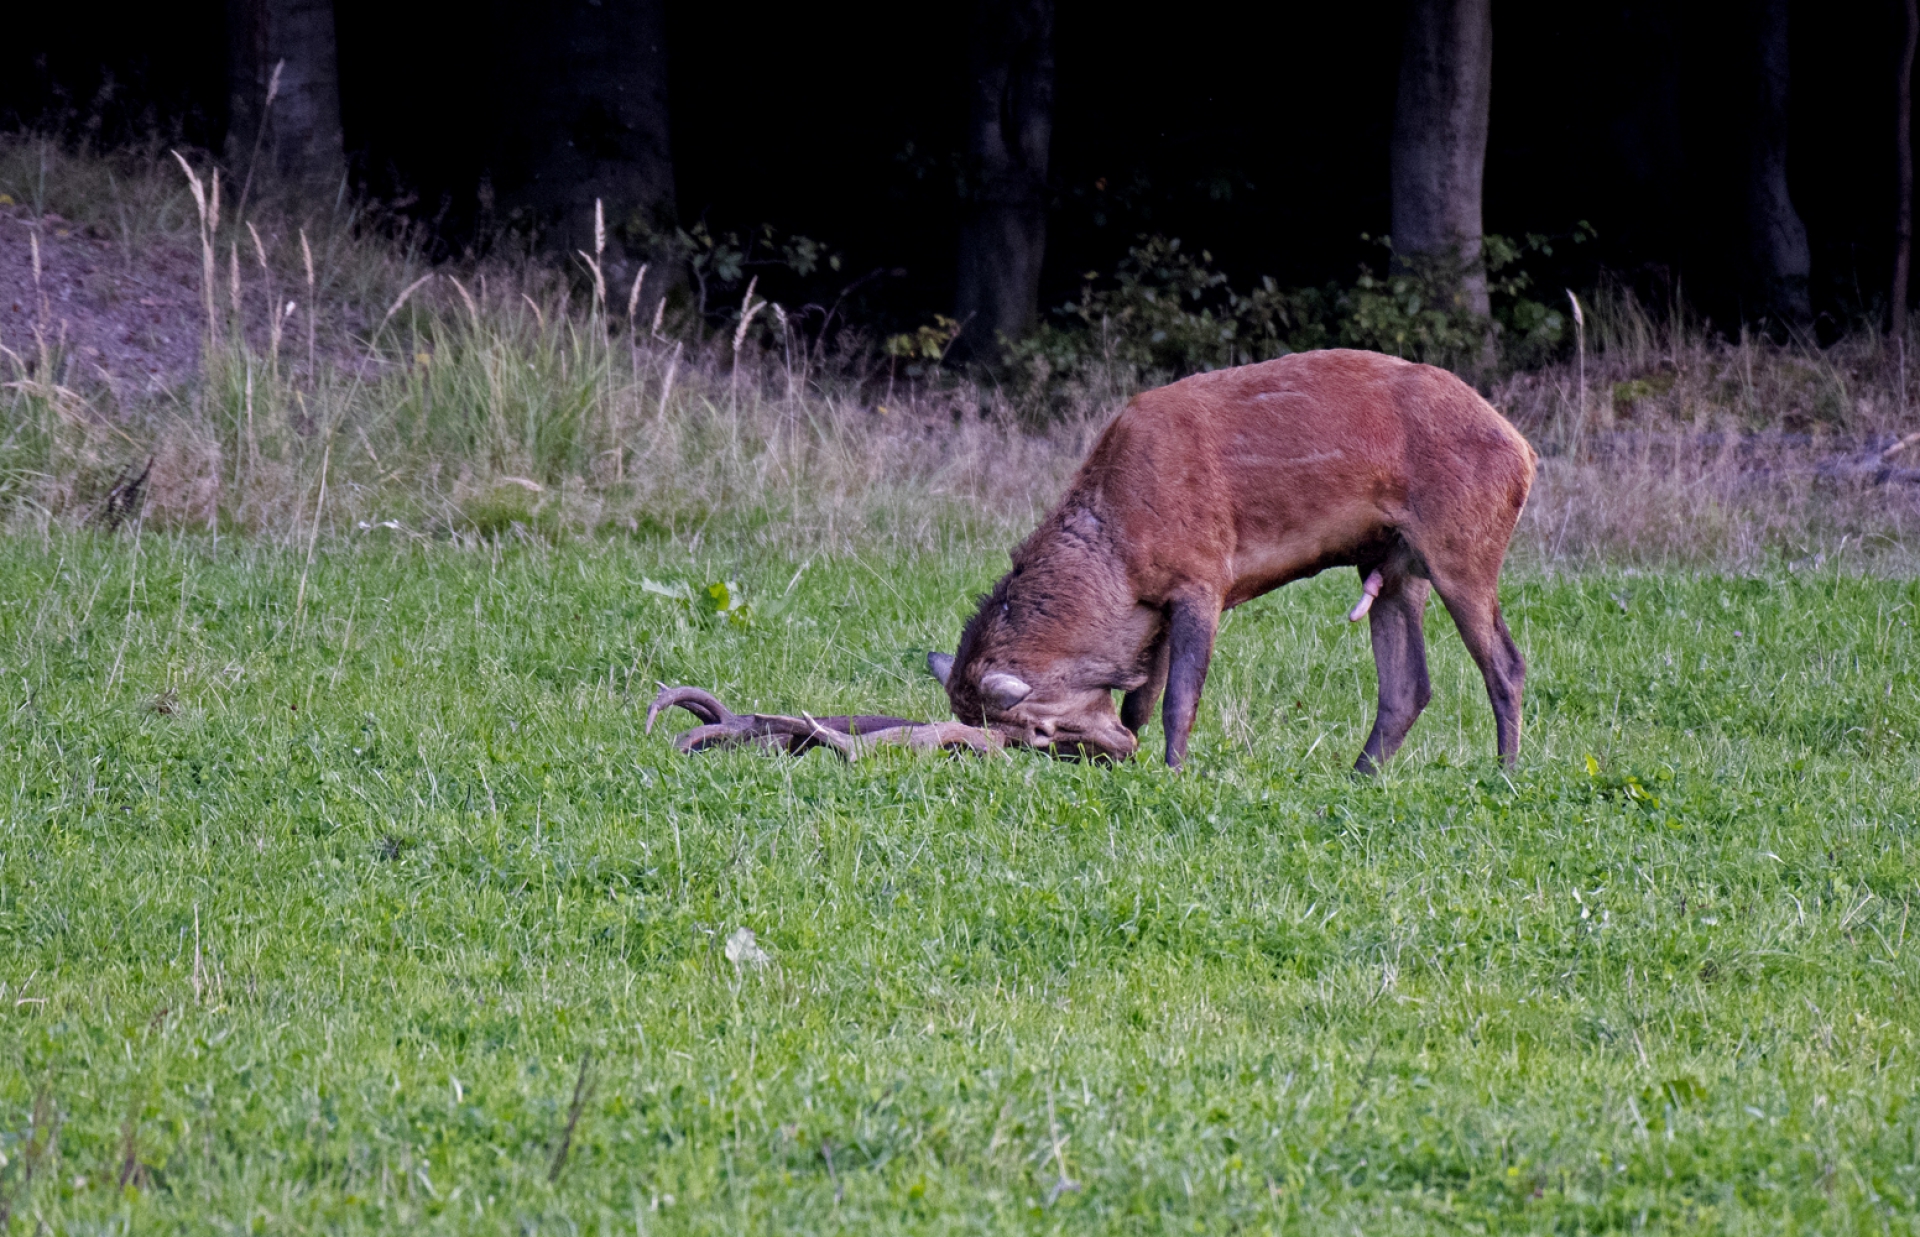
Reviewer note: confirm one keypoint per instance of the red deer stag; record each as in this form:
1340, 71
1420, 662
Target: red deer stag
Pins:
1224, 486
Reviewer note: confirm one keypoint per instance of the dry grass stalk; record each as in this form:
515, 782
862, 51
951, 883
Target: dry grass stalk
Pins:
259, 249
398, 302
313, 303
260, 132
252, 456
666, 384
206, 239
41, 344
1660, 444
633, 297
198, 978
633, 350
473, 310
593, 259
313, 537
276, 329
1580, 381
749, 309
276, 314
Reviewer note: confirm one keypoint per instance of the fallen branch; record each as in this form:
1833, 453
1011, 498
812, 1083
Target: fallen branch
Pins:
1871, 469
850, 736
582, 1092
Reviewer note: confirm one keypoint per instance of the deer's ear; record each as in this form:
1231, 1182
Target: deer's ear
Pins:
940, 666
1004, 690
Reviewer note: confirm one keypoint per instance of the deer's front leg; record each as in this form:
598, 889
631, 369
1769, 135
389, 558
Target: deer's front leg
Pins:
1191, 623
1136, 707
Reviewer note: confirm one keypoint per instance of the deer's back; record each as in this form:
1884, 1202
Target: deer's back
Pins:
1246, 478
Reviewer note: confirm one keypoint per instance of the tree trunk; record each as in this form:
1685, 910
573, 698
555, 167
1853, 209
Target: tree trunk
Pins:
585, 118
1903, 169
1003, 231
1779, 262
296, 138
1644, 98
1439, 150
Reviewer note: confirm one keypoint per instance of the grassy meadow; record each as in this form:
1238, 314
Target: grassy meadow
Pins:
342, 891
353, 897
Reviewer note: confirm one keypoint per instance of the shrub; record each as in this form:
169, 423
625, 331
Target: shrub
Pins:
1416, 310
1167, 312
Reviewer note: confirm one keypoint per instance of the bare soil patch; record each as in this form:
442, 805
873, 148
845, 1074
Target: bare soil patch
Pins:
97, 314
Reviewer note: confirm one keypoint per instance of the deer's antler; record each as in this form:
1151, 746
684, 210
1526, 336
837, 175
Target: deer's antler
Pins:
849, 736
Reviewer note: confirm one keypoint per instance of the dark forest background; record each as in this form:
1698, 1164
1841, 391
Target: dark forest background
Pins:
1259, 133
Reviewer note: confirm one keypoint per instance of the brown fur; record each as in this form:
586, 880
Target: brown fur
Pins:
1223, 486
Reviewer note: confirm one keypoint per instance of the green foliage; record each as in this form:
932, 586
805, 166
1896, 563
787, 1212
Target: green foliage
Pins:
722, 263
1167, 312
310, 916
1418, 308
925, 343
509, 508
718, 602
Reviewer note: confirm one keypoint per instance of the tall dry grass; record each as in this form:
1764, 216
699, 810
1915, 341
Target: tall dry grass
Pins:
1683, 448
346, 386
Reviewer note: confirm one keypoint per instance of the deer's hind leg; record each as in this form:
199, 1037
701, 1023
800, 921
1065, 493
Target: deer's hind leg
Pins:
1471, 591
1400, 664
1501, 665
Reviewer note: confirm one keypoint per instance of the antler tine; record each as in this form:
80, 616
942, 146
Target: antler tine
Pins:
949, 735
701, 704
771, 730
847, 747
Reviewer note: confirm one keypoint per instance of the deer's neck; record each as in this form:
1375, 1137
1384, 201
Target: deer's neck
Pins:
1070, 598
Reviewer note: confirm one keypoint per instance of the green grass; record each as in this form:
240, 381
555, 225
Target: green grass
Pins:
309, 916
